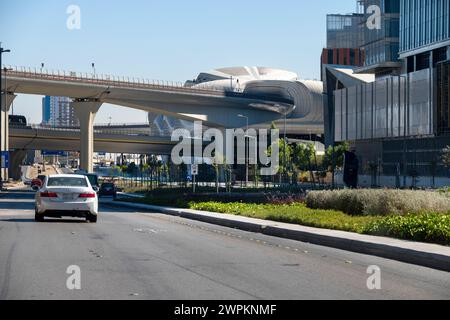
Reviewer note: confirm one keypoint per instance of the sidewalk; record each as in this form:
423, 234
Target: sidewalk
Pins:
424, 254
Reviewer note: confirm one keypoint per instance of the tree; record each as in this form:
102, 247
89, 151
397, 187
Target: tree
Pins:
302, 157
132, 168
334, 158
152, 162
338, 154
285, 156
286, 152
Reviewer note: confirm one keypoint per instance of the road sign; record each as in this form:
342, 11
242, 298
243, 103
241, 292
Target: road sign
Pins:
5, 160
54, 153
194, 169
194, 173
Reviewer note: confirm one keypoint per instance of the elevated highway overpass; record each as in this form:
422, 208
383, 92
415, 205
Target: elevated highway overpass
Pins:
215, 107
106, 140
212, 105
298, 103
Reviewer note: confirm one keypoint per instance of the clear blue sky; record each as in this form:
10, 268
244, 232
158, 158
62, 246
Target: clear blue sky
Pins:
167, 40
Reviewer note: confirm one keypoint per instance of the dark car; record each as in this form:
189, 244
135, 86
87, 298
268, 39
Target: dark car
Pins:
93, 178
108, 189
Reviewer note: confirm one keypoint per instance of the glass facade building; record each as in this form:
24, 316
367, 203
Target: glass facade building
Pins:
381, 44
423, 23
443, 98
344, 31
400, 123
389, 108
56, 111
345, 36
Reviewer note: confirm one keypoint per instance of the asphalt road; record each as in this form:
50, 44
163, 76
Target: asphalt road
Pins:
131, 255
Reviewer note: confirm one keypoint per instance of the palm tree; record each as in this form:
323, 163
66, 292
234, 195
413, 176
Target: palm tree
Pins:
152, 163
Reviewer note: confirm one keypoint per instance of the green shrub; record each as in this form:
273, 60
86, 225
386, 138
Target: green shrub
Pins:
296, 213
429, 227
379, 202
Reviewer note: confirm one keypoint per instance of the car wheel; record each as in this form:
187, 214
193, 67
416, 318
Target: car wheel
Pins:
92, 218
38, 217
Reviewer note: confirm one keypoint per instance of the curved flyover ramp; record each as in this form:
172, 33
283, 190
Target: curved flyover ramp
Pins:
307, 117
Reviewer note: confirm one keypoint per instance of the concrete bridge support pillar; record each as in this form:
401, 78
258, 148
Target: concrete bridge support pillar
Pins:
4, 118
16, 160
86, 111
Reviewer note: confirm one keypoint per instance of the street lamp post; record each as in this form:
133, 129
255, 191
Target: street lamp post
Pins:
285, 147
2, 103
93, 68
6, 118
246, 149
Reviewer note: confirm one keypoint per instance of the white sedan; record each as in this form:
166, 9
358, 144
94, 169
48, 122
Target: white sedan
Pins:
66, 196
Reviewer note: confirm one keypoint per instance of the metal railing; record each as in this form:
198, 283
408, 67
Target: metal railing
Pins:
111, 80
143, 132
144, 129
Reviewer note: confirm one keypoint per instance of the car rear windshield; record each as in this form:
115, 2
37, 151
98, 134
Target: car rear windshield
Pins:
67, 182
93, 179
107, 185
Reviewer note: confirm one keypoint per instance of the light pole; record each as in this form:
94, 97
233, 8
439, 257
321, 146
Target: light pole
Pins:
246, 153
93, 68
6, 118
2, 107
285, 147
284, 151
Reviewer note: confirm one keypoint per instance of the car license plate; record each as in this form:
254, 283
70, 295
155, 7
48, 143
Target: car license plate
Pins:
67, 197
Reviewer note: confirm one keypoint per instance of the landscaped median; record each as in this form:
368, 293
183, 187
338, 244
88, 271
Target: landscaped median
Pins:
412, 215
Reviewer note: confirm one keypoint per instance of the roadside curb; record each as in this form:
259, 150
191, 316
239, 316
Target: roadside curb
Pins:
423, 254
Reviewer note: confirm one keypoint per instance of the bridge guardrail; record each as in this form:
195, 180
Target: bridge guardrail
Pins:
110, 80
114, 131
133, 82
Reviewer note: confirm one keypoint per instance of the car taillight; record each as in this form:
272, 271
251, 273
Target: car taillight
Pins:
47, 194
87, 195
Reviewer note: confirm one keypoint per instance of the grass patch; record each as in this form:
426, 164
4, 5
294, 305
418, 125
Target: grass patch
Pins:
425, 227
380, 202
428, 227
294, 213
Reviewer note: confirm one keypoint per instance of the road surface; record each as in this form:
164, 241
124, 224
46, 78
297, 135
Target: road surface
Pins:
132, 255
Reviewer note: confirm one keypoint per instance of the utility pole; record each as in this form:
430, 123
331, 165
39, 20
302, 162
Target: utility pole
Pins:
2, 106
285, 147
247, 154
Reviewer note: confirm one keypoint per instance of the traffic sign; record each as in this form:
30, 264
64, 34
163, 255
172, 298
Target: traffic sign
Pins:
54, 153
5, 160
194, 170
